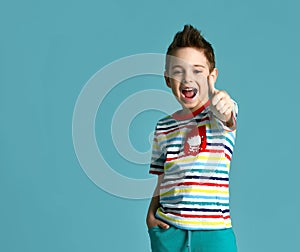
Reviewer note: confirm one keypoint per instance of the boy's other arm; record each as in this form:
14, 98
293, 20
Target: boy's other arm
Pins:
154, 205
221, 104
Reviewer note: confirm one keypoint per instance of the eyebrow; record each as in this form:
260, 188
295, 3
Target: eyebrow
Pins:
199, 66
193, 65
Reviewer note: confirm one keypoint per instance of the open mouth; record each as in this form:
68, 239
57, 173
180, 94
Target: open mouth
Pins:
189, 92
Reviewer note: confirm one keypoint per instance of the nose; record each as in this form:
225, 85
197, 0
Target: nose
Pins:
187, 77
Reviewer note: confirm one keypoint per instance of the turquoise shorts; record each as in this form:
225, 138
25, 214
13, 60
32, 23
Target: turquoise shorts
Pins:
179, 240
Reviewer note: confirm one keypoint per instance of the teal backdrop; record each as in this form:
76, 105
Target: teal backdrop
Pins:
50, 49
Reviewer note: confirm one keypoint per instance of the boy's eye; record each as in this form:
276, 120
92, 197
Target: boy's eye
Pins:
197, 71
177, 72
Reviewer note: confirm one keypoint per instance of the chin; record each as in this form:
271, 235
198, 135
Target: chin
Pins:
189, 106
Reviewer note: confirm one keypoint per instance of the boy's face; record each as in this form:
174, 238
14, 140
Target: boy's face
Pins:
187, 77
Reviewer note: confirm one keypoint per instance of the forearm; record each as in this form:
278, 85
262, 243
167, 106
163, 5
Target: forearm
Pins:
154, 205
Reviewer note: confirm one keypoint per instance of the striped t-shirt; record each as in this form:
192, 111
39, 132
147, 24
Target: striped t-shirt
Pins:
193, 151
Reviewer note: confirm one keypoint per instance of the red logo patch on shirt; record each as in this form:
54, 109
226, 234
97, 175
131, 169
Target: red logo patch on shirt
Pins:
195, 141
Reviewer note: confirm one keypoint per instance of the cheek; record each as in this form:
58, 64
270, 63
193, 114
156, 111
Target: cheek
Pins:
176, 79
175, 90
175, 85
203, 88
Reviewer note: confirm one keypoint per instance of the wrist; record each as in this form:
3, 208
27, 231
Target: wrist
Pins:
150, 219
230, 122
150, 216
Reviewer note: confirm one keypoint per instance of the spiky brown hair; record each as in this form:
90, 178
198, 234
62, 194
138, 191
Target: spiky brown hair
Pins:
191, 37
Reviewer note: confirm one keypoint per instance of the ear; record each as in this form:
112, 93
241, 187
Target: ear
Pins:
167, 79
214, 74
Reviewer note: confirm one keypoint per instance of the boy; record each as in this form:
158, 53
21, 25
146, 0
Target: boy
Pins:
191, 154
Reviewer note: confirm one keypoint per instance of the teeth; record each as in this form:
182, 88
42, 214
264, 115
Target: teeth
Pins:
189, 92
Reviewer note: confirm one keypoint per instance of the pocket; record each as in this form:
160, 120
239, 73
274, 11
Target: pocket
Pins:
158, 231
153, 228
167, 240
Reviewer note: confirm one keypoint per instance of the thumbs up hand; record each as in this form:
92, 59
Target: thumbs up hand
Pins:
220, 102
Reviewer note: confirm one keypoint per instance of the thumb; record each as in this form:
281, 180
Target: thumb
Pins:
211, 86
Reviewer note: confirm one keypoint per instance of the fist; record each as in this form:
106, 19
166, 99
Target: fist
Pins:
220, 102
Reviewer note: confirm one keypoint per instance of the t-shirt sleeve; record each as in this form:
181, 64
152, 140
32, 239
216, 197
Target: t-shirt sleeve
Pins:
223, 126
158, 154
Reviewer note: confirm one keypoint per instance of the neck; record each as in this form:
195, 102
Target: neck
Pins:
188, 110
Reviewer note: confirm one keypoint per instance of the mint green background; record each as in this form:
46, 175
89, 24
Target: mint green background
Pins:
48, 51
